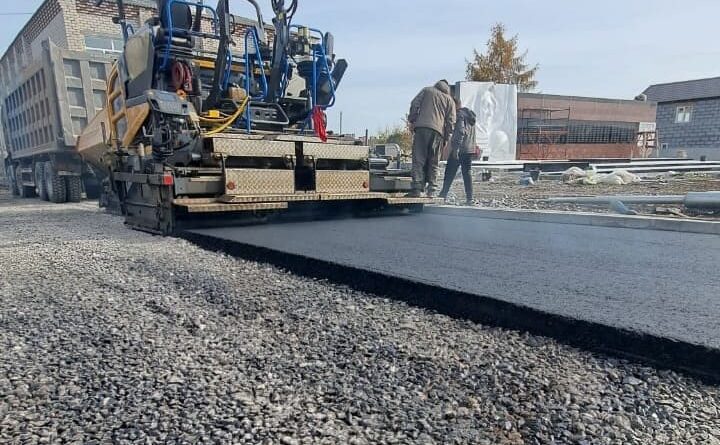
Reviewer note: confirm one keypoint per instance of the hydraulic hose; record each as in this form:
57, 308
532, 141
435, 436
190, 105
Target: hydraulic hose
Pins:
230, 121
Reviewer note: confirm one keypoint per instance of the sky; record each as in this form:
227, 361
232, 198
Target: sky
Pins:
609, 48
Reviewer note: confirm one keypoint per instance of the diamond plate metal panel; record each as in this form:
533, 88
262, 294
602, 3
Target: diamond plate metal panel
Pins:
352, 196
259, 182
296, 197
407, 200
220, 207
345, 181
253, 148
314, 139
299, 138
336, 151
238, 136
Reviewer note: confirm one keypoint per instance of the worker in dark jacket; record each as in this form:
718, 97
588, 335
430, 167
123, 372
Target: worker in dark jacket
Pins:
432, 118
462, 149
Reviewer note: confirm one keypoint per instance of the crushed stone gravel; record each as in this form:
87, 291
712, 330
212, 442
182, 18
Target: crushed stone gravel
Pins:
108, 335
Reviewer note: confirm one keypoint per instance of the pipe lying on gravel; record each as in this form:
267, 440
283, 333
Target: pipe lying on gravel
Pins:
694, 200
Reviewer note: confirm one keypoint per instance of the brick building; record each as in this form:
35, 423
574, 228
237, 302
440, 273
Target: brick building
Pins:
688, 117
76, 25
569, 127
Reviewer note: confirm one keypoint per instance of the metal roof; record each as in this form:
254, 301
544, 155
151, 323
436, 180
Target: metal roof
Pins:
575, 98
687, 90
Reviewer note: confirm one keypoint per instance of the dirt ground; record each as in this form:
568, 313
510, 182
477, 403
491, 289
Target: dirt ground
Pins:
504, 191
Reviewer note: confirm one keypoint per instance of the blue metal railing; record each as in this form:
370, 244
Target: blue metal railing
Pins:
170, 28
319, 56
250, 72
315, 30
228, 69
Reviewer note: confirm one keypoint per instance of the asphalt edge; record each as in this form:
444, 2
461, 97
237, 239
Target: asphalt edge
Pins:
582, 218
693, 360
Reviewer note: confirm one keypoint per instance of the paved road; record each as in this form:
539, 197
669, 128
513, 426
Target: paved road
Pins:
663, 283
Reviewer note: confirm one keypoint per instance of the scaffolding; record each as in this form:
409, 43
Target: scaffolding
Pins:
647, 143
543, 128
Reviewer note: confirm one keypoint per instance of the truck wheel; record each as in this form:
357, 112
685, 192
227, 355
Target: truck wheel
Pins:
11, 180
55, 184
23, 191
40, 187
74, 188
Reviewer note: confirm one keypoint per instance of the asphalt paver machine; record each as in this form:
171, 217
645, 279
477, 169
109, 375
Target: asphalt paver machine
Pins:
209, 115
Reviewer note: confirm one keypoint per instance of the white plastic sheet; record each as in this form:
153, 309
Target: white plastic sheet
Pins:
496, 108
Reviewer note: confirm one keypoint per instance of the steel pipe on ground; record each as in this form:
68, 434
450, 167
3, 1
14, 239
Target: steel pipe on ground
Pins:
704, 200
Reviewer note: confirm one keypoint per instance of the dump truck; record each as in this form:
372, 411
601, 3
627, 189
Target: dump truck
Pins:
43, 112
192, 133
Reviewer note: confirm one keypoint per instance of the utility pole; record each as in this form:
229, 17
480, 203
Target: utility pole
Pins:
341, 116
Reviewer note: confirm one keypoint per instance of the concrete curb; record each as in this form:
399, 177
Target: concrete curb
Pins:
582, 218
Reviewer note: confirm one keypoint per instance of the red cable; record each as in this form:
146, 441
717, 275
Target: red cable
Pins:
320, 123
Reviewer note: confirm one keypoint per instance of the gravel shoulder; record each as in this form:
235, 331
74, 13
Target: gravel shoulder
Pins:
505, 192
113, 336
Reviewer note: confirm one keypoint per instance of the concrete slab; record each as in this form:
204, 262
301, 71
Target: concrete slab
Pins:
645, 293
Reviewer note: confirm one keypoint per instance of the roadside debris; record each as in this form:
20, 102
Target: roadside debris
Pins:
671, 211
575, 175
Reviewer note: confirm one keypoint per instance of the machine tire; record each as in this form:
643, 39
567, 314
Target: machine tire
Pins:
74, 188
40, 186
23, 191
55, 184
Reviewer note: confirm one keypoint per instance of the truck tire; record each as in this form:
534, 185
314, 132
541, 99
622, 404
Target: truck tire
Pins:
40, 187
11, 180
54, 184
23, 191
74, 188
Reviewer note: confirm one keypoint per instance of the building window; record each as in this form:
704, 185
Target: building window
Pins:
105, 45
683, 114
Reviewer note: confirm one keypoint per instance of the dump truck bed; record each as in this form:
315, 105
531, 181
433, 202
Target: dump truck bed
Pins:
49, 103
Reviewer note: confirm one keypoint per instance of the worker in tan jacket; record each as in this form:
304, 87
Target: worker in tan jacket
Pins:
432, 118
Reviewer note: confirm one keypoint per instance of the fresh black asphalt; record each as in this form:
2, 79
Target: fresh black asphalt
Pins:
657, 283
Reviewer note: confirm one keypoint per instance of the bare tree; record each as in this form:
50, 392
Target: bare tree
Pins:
502, 62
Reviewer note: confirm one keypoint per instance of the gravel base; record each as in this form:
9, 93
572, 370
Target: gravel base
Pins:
113, 336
